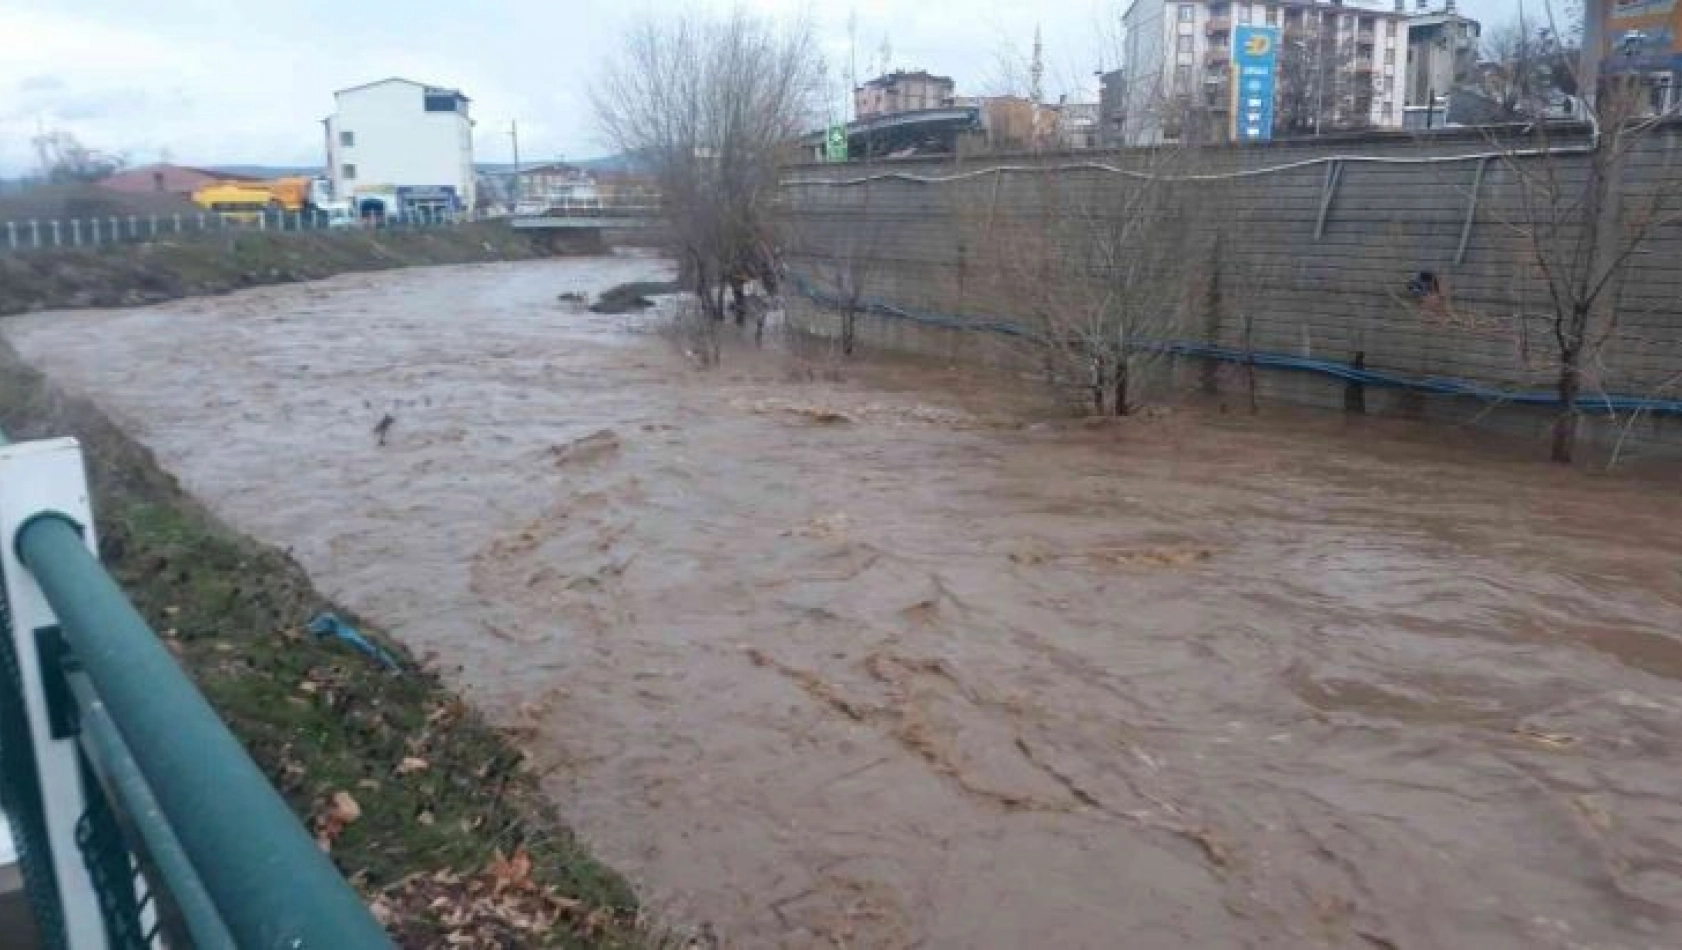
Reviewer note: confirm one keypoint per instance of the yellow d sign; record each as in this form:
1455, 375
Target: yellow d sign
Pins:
1258, 44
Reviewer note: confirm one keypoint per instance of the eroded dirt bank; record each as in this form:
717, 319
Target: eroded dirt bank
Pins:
865, 663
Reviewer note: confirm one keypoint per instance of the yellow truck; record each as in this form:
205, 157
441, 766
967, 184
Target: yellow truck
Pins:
246, 201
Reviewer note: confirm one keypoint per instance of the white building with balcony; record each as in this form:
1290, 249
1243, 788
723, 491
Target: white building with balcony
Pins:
1341, 66
403, 139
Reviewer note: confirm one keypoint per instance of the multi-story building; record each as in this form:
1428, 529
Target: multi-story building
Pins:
1077, 125
1635, 38
1340, 66
404, 139
1442, 51
1112, 107
902, 91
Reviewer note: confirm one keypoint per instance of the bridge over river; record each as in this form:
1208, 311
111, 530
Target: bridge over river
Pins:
876, 653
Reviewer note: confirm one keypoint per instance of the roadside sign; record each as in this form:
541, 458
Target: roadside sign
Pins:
1255, 62
835, 144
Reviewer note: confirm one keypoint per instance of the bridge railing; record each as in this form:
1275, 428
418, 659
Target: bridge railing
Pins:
612, 206
139, 819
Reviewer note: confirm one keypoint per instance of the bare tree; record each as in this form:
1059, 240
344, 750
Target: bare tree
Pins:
837, 256
1526, 67
711, 105
1102, 267
1313, 74
64, 159
1578, 227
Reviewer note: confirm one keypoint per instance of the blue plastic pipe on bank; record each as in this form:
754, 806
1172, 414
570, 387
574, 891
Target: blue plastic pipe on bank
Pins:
1443, 386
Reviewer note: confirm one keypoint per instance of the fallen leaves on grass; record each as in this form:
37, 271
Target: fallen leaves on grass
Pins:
412, 764
340, 812
500, 906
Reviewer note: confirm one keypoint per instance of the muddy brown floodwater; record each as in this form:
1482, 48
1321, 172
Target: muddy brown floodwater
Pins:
858, 663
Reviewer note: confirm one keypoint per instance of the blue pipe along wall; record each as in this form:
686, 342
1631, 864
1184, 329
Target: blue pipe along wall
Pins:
1611, 404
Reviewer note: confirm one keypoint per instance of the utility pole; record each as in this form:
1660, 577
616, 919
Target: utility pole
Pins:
1319, 69
514, 134
852, 111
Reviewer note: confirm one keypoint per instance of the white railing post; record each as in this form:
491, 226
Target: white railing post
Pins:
57, 236
134, 227
34, 233
76, 232
116, 231
12, 235
178, 222
38, 477
152, 230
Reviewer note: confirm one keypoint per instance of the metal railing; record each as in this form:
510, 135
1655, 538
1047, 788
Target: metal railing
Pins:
139, 819
28, 234
618, 206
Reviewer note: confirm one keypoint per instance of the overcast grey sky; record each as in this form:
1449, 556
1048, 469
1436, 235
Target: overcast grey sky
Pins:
225, 81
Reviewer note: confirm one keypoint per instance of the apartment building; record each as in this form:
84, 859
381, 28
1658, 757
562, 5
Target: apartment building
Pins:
1442, 50
405, 138
1340, 66
902, 91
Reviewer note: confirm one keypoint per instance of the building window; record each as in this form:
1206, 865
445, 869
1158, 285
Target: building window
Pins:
1389, 84
1384, 110
1389, 57
1185, 44
1187, 12
1243, 13
1182, 77
347, 139
442, 101
1272, 16
347, 171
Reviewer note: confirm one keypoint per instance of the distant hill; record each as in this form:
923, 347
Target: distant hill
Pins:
259, 172
622, 163
625, 163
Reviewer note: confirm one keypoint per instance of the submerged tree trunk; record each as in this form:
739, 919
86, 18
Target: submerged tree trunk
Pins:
1098, 384
1121, 382
1565, 424
849, 328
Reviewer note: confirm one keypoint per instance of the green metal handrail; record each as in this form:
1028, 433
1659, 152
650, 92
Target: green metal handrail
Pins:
271, 886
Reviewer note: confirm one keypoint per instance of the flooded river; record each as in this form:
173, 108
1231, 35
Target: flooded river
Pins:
861, 661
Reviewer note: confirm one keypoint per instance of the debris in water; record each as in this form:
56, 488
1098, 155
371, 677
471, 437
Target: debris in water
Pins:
823, 416
1552, 740
629, 298
383, 427
1120, 557
587, 449
823, 526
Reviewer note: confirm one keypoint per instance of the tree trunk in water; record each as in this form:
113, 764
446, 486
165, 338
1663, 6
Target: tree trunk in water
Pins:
1121, 381
1565, 425
738, 300
1097, 386
849, 330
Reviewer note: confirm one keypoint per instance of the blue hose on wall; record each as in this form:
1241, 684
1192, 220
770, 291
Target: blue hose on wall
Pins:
1437, 386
